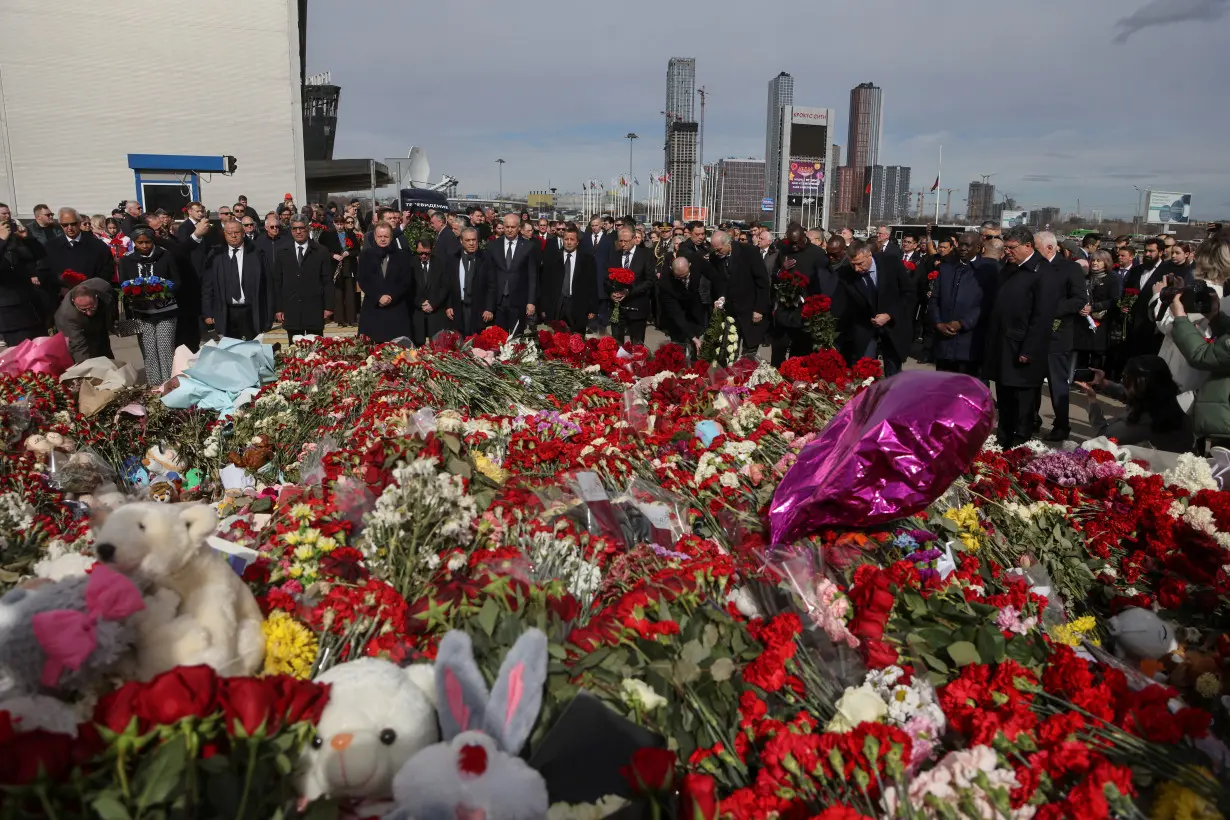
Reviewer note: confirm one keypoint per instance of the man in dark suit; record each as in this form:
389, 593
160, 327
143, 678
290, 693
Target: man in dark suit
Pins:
1143, 338
447, 245
272, 240
431, 289
634, 303
1071, 295
468, 288
78, 252
514, 268
956, 309
133, 218
568, 292
745, 288
884, 241
235, 288
1018, 336
599, 242
683, 315
874, 322
799, 256
84, 317
302, 283
766, 249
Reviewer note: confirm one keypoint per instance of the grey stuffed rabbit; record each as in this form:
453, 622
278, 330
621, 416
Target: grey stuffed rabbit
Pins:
475, 773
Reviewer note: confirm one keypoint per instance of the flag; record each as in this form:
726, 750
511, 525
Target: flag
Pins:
936, 186
623, 183
668, 177
635, 181
868, 190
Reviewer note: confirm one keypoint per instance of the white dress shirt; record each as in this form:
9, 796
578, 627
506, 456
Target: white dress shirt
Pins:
238, 254
300, 250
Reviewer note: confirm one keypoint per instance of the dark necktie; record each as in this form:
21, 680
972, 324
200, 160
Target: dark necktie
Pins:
508, 253
300, 249
238, 275
627, 258
568, 275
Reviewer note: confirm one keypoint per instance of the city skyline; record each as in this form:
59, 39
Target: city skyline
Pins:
1051, 135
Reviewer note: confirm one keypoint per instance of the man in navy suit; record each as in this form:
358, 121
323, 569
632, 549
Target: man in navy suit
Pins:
236, 288
874, 321
963, 290
514, 263
601, 243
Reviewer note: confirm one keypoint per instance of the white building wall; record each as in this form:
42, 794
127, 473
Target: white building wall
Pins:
78, 97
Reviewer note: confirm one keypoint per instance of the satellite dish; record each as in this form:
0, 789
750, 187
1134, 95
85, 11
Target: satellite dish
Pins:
420, 169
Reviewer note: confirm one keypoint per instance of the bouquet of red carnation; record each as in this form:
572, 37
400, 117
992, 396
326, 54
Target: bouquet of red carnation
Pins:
910, 266
349, 243
1118, 331
71, 278
149, 294
819, 322
618, 280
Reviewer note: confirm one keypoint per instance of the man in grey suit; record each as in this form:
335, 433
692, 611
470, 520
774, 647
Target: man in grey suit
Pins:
514, 263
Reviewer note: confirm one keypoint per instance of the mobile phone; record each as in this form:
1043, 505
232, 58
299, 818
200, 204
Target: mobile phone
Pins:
1083, 374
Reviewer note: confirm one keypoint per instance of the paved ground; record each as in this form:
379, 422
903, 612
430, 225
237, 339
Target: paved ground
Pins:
127, 350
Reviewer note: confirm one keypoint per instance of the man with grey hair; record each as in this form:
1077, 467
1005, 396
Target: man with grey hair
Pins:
75, 254
683, 314
302, 282
84, 317
744, 285
1066, 281
634, 303
513, 262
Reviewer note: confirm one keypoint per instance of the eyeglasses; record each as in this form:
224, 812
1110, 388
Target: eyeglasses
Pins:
69, 224
298, 227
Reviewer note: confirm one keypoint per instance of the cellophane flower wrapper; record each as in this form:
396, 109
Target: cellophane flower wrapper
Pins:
582, 498
82, 472
311, 470
887, 454
46, 354
635, 413
656, 516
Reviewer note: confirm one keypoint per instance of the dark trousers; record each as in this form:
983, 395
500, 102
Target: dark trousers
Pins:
786, 342
347, 301
1058, 379
513, 316
1015, 406
955, 366
892, 364
239, 322
292, 332
12, 338
751, 333
634, 329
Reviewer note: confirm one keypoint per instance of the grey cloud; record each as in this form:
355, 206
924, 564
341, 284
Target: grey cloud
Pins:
1037, 178
1162, 12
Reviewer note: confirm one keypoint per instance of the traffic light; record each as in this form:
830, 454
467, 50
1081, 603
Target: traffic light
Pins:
231, 164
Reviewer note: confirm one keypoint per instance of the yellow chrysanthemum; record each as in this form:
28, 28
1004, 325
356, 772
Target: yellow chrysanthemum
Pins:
1073, 632
490, 469
326, 544
290, 647
301, 512
966, 519
295, 571
1176, 802
292, 538
1208, 685
310, 535
304, 552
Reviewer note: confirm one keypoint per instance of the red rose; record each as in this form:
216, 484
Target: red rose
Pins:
933, 275
29, 753
698, 797
250, 702
183, 692
299, 700
878, 655
650, 770
117, 709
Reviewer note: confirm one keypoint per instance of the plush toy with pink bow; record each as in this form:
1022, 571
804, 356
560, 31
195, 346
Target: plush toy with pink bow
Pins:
60, 640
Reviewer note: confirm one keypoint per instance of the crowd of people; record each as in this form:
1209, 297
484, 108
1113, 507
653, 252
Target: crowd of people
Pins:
1016, 308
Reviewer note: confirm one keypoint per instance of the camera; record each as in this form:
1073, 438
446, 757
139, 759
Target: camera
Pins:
1197, 297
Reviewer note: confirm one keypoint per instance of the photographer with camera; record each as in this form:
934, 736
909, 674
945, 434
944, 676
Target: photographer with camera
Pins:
1154, 417
1209, 354
1200, 303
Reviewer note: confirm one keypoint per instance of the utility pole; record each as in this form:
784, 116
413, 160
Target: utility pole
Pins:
500, 164
631, 193
700, 150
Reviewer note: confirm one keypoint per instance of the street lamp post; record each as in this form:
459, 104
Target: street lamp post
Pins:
500, 163
631, 202
1137, 219
553, 208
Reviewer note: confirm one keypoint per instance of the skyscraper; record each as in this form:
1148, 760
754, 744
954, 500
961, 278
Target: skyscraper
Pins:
739, 188
889, 195
863, 142
681, 132
981, 205
781, 94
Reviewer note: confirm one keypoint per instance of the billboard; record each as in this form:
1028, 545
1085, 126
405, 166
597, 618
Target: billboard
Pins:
809, 116
805, 176
1166, 208
695, 213
1013, 219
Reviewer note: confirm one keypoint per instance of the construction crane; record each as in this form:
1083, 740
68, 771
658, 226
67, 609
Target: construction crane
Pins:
922, 197
947, 202
986, 178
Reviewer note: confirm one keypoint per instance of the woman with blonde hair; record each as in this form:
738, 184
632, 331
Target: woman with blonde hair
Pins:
1091, 338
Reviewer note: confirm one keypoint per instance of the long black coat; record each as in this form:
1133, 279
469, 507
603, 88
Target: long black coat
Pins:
639, 301
467, 311
447, 244
961, 293
1071, 296
384, 323
88, 256
683, 314
303, 293
23, 304
521, 278
430, 286
1104, 292
854, 327
1020, 324
584, 299
745, 285
256, 287
333, 244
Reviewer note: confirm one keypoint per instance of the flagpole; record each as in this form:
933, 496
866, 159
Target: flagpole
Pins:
938, 171
871, 187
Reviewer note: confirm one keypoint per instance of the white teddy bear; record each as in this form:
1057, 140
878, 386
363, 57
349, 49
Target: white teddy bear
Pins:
201, 612
379, 715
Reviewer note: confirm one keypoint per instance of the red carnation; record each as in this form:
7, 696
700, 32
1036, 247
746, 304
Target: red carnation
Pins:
1131, 292
71, 278
349, 243
910, 266
933, 275
621, 276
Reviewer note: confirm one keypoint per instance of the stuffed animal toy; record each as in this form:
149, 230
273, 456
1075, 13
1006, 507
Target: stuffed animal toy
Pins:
201, 611
378, 716
475, 772
1141, 634
63, 638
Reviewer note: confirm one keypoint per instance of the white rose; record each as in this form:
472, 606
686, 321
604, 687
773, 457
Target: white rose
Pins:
637, 692
857, 705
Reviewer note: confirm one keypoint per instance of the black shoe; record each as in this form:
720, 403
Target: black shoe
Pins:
1057, 434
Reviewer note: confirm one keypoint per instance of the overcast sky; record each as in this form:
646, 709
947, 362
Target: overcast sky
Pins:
1061, 99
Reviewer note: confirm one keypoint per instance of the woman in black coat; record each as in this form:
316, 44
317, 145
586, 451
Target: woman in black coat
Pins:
155, 316
387, 284
1089, 342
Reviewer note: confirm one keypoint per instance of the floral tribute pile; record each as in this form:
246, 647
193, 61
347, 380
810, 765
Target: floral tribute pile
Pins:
979, 658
